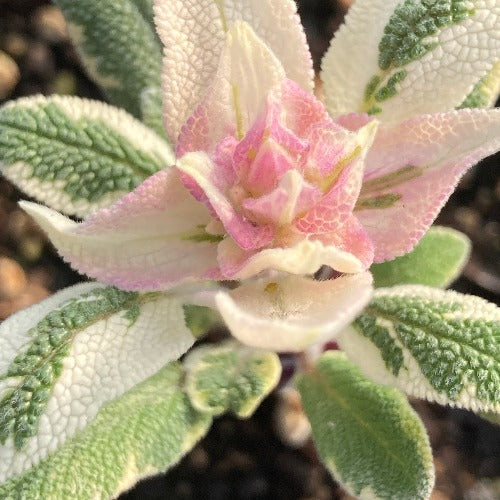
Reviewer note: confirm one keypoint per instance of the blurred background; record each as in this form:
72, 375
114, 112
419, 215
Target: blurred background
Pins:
245, 459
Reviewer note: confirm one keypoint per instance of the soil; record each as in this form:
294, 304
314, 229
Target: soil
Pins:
245, 459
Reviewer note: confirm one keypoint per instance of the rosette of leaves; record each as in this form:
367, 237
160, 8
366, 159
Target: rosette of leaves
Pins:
92, 394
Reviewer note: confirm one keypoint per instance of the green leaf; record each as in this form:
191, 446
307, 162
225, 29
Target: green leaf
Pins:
436, 261
230, 376
200, 319
406, 35
437, 345
119, 48
74, 154
493, 418
64, 358
368, 436
143, 432
145, 7
485, 92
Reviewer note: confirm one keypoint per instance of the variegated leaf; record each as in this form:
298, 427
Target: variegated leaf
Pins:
486, 91
437, 345
64, 358
413, 167
291, 313
76, 155
368, 436
230, 377
151, 239
119, 49
399, 58
143, 432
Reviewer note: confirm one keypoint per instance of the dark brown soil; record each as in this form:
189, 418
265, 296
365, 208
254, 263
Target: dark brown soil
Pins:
245, 459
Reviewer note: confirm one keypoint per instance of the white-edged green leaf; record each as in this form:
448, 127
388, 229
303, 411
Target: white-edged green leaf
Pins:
486, 91
230, 377
65, 357
76, 155
432, 344
143, 432
119, 48
367, 435
400, 58
437, 261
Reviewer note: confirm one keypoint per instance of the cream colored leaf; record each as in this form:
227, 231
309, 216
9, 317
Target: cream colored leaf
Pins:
63, 359
291, 313
194, 32
399, 58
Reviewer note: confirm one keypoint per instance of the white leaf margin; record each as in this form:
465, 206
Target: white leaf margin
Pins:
106, 359
75, 108
365, 354
438, 81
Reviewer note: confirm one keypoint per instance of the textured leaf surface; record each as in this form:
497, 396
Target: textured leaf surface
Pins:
436, 261
151, 239
146, 9
413, 167
437, 345
74, 154
230, 377
291, 313
200, 319
141, 433
119, 49
191, 62
399, 58
486, 91
62, 359
368, 436
237, 93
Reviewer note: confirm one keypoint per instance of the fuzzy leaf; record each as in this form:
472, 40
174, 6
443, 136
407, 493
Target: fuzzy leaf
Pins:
146, 9
151, 239
64, 358
74, 154
400, 58
230, 376
291, 313
413, 167
194, 33
200, 319
436, 261
486, 91
437, 345
143, 432
368, 436
119, 49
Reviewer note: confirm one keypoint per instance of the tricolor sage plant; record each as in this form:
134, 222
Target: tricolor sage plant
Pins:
259, 182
